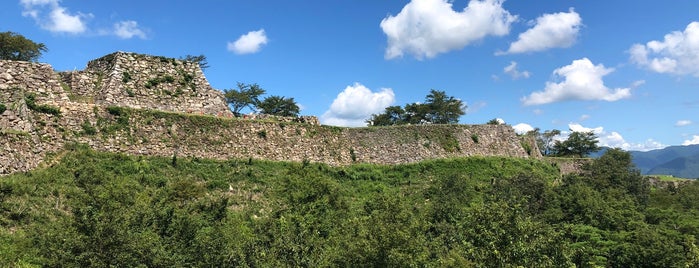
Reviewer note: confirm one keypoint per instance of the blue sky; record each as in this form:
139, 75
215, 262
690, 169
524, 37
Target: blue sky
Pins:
628, 70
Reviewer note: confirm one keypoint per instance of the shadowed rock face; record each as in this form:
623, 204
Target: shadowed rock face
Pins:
172, 109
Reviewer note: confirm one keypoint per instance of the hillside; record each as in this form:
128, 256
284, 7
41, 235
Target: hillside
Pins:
87, 208
678, 161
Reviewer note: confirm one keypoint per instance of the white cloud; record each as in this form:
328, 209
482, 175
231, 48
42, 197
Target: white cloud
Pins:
582, 81
514, 73
50, 15
425, 28
584, 117
522, 128
354, 105
677, 54
249, 43
558, 30
128, 29
693, 141
682, 123
614, 139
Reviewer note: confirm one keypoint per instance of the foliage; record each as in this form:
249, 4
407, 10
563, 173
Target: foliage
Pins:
3, 108
125, 77
545, 141
578, 144
14, 46
494, 121
246, 96
437, 109
103, 209
88, 128
30, 100
280, 106
199, 59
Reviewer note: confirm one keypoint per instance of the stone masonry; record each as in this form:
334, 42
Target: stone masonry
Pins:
170, 109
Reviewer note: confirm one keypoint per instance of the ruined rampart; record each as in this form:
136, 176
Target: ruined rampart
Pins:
146, 105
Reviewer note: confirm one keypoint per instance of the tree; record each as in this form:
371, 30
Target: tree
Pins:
545, 141
393, 115
277, 105
443, 109
437, 109
14, 46
201, 60
495, 121
578, 144
246, 96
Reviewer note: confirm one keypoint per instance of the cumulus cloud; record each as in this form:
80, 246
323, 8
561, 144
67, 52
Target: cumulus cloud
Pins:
615, 140
582, 80
682, 123
354, 105
249, 43
51, 16
425, 28
693, 141
128, 29
558, 30
522, 128
677, 54
514, 73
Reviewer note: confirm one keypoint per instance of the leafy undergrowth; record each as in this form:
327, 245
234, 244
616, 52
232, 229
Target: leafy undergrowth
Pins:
103, 209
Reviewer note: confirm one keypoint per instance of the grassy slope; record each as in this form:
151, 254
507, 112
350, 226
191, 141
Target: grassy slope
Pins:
117, 185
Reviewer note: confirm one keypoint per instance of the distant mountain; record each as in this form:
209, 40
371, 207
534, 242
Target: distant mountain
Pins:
678, 161
673, 160
682, 167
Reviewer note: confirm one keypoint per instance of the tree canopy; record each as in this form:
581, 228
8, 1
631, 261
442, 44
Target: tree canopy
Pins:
14, 46
200, 59
245, 96
578, 144
438, 108
280, 106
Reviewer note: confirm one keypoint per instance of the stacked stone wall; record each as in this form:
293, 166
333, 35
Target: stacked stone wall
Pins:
196, 122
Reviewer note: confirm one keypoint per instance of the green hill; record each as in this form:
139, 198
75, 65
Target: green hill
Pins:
86, 208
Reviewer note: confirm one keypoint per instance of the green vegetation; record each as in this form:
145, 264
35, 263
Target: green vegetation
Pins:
101, 209
88, 128
153, 82
437, 109
125, 77
30, 100
579, 144
246, 96
200, 60
279, 106
3, 108
14, 46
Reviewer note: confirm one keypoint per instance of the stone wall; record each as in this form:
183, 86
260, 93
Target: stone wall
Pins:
180, 114
142, 81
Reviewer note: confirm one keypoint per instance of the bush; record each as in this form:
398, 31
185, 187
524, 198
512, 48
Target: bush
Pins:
3, 108
125, 77
30, 100
88, 129
116, 110
474, 137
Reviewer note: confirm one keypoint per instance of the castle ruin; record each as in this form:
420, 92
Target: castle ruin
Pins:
150, 105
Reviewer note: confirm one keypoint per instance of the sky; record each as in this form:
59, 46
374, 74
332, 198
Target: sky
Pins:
627, 70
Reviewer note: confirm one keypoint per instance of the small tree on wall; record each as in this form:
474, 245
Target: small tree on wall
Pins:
578, 144
245, 96
438, 108
14, 46
278, 105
